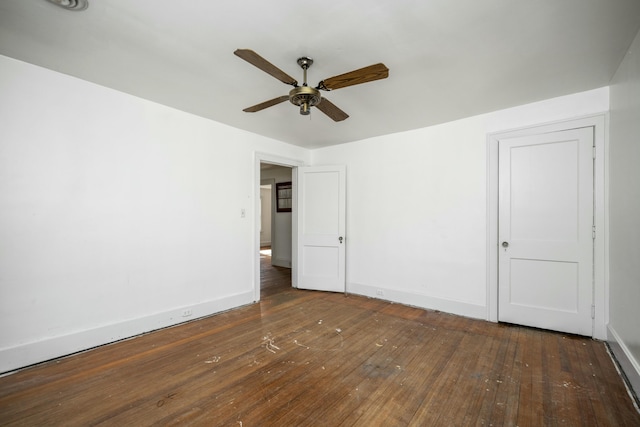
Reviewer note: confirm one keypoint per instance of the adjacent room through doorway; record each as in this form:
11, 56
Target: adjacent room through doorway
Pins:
275, 226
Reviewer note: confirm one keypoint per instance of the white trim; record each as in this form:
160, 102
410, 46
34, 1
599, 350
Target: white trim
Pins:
260, 157
294, 228
271, 182
27, 354
412, 299
601, 286
623, 355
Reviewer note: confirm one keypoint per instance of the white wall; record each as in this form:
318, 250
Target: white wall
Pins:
265, 215
115, 214
417, 205
624, 326
281, 233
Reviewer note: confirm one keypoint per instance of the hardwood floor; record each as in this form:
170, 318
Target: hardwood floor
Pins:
304, 358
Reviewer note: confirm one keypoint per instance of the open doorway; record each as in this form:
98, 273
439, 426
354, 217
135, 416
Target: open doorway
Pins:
275, 228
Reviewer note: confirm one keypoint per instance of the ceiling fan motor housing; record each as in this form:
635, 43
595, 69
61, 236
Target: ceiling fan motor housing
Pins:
305, 97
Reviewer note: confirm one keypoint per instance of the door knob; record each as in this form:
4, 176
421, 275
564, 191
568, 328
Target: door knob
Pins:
505, 244
340, 239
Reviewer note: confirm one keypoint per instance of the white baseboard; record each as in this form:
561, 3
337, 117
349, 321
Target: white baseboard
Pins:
281, 262
17, 357
418, 300
630, 366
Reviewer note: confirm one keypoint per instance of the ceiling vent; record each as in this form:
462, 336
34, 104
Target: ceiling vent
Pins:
75, 5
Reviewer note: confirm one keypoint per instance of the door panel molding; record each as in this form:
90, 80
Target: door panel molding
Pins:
599, 124
546, 216
321, 215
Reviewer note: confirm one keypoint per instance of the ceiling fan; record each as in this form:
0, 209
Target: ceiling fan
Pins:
305, 96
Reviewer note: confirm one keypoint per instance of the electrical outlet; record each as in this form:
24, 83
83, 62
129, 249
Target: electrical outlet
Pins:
380, 292
187, 312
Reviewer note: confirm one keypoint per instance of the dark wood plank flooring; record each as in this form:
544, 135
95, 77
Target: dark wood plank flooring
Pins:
304, 358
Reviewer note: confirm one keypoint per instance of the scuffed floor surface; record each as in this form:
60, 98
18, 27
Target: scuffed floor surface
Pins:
304, 358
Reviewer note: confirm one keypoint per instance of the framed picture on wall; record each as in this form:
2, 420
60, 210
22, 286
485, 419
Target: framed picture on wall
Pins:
283, 197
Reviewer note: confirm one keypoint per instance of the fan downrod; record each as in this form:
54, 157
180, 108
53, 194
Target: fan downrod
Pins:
304, 96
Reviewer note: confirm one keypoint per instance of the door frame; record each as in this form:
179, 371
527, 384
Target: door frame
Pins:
260, 157
599, 123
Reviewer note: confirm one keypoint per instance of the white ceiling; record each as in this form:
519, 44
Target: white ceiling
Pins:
448, 59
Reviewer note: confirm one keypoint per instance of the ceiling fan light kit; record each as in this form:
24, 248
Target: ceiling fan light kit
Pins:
305, 96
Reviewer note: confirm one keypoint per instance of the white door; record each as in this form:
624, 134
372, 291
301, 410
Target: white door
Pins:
545, 231
321, 198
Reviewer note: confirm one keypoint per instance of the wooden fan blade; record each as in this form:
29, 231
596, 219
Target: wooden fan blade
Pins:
266, 104
329, 108
254, 59
356, 77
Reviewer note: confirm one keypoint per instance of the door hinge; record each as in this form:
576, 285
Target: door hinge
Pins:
594, 152
593, 311
593, 232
